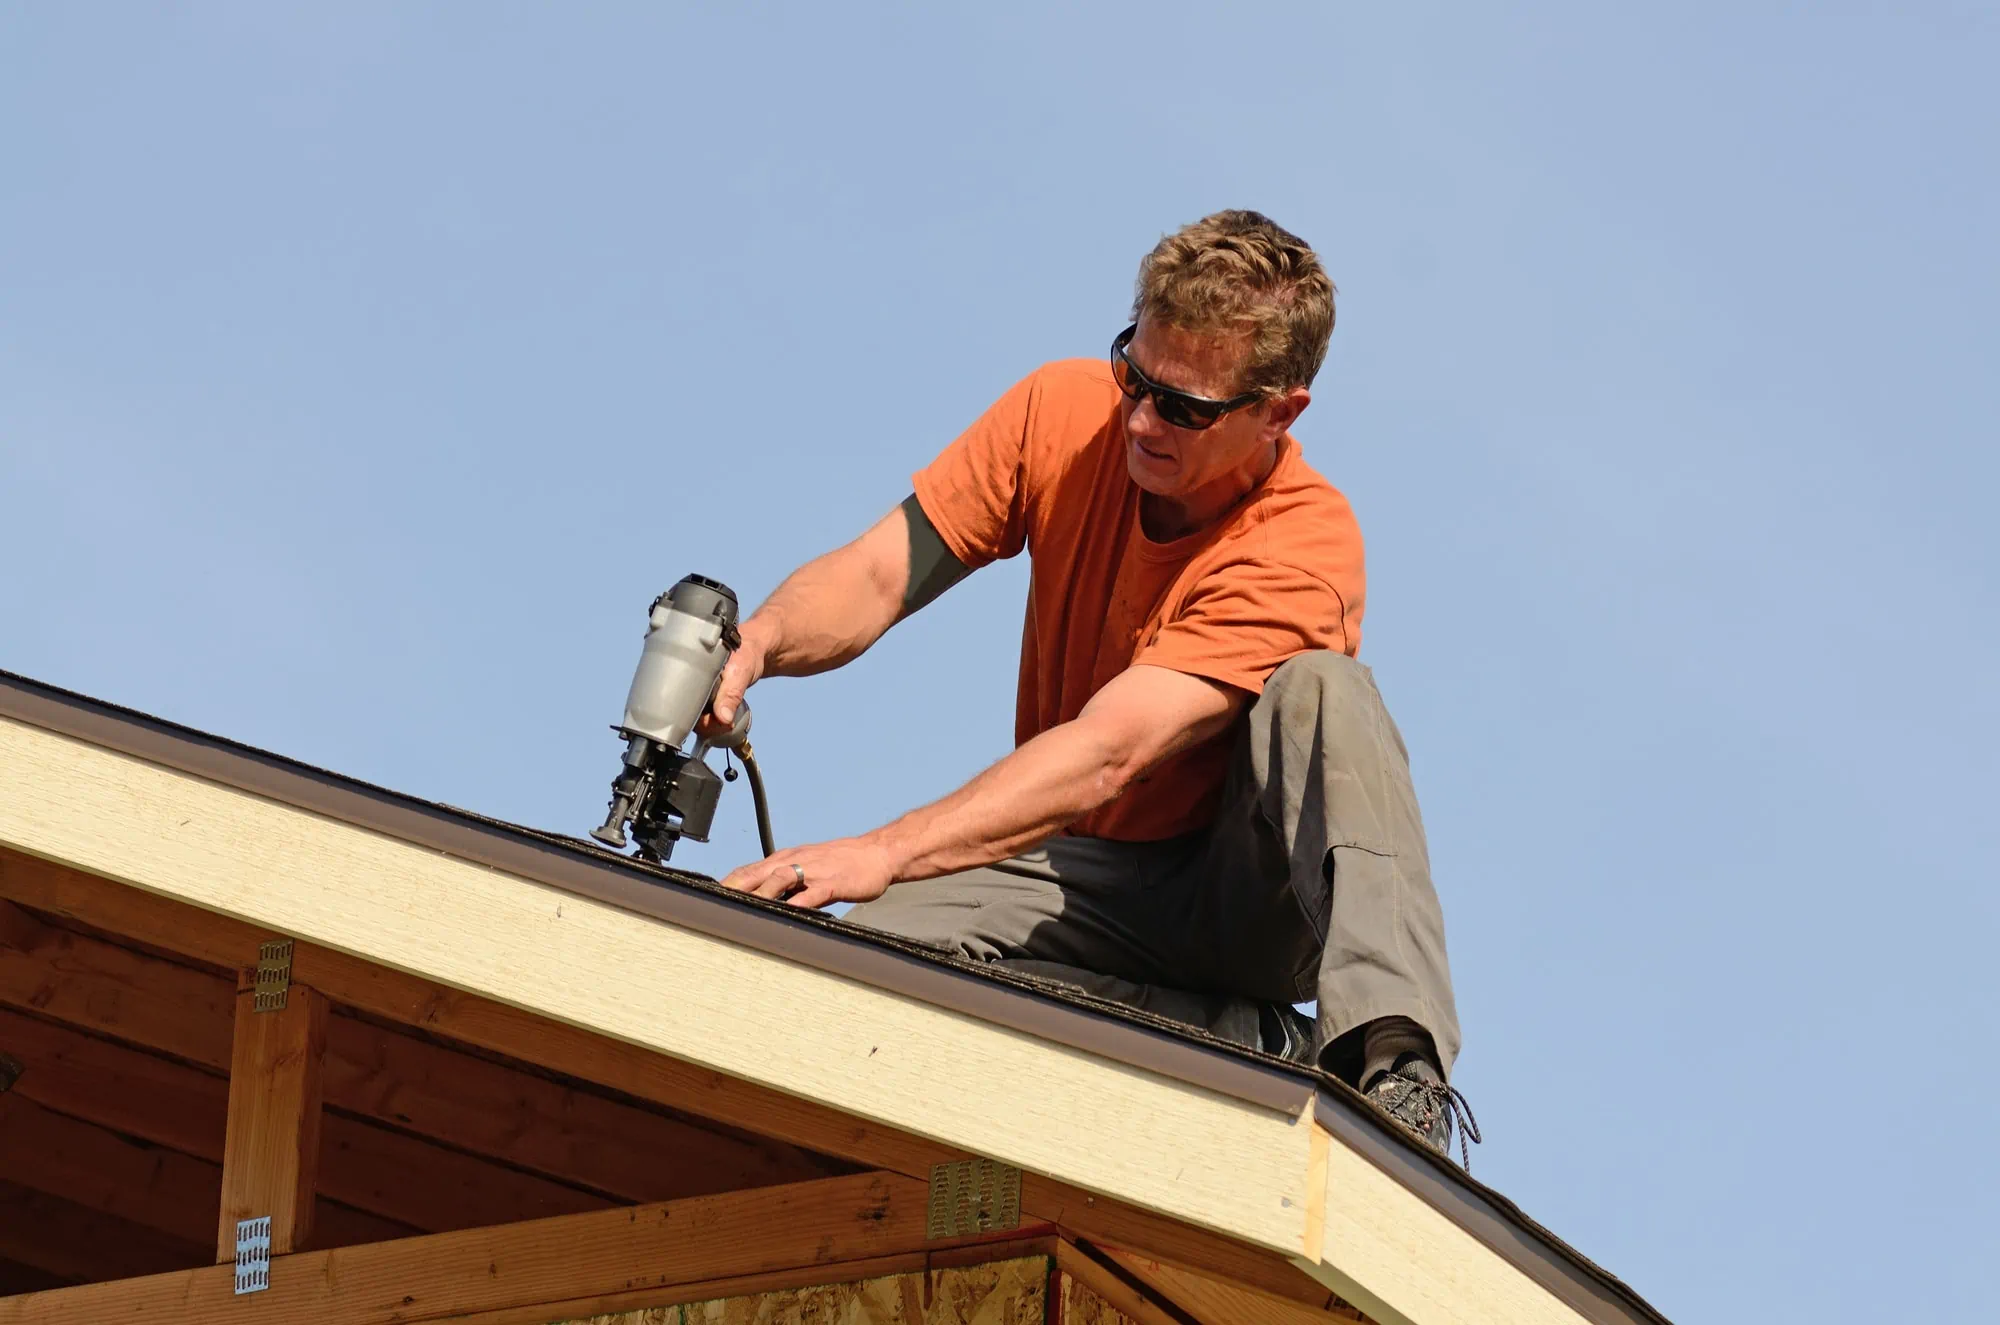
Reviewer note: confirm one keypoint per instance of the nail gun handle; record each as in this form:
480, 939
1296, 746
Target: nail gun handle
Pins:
738, 733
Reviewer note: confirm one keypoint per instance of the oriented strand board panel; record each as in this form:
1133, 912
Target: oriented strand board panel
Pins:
1080, 1306
1237, 1169
1003, 1293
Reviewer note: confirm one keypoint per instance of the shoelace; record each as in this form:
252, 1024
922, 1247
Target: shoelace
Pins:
1439, 1097
1457, 1111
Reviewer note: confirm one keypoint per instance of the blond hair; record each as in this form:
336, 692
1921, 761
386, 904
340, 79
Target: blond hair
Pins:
1240, 273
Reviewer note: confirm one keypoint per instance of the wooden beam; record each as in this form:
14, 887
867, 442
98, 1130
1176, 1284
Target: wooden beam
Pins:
270, 1153
1216, 1303
421, 1187
813, 1225
18, 1278
811, 1276
65, 1239
113, 1085
99, 1170
144, 1185
410, 1000
71, 978
531, 1122
522, 1119
432, 1187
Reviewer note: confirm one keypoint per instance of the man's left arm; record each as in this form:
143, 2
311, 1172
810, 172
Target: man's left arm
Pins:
1144, 716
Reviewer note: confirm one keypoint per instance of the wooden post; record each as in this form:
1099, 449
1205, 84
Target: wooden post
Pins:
270, 1152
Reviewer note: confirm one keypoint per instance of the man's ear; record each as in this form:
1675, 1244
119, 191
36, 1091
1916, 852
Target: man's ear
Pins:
1282, 412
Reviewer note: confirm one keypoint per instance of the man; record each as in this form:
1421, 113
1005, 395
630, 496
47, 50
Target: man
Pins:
1209, 812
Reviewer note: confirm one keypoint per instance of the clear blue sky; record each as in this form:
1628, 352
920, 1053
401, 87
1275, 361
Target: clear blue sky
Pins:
365, 369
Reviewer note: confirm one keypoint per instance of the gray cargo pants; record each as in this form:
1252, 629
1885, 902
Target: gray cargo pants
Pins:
1313, 882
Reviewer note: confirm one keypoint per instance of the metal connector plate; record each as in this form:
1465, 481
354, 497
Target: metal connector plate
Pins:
972, 1196
253, 1255
274, 975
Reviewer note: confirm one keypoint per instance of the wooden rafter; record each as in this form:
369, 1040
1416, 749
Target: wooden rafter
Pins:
158, 1189
434, 1188
113, 1085
60, 1237
18, 1278
531, 1122
421, 1187
655, 1248
522, 1119
68, 977
144, 1185
402, 998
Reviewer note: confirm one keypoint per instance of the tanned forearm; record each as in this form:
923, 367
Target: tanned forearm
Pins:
1026, 798
823, 615
829, 611
1144, 716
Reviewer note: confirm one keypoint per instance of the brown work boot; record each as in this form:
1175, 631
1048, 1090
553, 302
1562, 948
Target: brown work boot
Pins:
1414, 1095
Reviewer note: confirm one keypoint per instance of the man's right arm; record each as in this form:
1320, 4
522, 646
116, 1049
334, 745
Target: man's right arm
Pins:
829, 611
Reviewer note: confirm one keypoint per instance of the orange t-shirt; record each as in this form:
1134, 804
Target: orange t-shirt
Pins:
1281, 574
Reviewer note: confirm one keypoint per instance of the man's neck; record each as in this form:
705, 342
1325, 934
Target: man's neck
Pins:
1165, 519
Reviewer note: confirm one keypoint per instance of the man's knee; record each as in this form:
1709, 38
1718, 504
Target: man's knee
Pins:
914, 912
1321, 672
1330, 693
983, 914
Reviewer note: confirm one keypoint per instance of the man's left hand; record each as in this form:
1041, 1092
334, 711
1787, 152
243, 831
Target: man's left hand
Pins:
852, 869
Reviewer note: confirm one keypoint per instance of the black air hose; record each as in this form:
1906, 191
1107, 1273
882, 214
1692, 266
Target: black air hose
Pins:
764, 838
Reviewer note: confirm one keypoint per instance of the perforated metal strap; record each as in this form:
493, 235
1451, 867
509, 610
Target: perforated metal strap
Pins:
972, 1196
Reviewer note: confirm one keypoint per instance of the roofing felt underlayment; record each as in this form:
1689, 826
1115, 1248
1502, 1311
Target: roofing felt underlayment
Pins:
695, 903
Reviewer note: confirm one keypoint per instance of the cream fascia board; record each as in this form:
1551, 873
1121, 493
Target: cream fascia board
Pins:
1183, 1151
1390, 1253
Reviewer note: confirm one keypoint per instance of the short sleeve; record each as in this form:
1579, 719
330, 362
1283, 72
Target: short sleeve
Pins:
1244, 620
975, 492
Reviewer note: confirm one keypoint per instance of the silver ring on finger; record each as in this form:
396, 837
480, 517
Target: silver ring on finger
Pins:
799, 873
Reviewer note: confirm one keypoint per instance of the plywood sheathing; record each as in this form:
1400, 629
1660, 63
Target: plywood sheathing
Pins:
1080, 1306
1012, 1292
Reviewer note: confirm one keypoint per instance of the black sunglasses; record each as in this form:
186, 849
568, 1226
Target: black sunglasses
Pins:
1178, 408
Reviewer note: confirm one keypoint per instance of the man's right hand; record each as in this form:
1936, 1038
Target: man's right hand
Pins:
743, 670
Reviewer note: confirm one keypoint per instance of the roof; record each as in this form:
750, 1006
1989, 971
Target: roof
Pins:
666, 957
